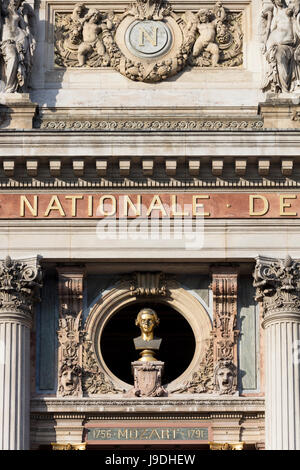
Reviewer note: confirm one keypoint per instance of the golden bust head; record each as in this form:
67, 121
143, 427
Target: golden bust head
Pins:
147, 320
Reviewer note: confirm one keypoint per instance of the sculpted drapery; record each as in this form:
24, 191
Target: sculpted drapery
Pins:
281, 45
17, 44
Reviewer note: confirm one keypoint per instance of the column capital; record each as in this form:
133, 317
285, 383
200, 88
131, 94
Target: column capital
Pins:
20, 281
277, 283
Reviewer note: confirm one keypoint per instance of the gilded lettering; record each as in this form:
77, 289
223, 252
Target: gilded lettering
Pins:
156, 204
74, 204
197, 205
283, 204
174, 208
101, 210
128, 204
258, 212
54, 205
32, 208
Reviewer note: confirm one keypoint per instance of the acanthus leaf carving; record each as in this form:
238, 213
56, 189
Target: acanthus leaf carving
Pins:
277, 283
20, 282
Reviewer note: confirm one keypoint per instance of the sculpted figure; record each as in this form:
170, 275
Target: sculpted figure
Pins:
280, 40
224, 377
17, 44
207, 33
92, 27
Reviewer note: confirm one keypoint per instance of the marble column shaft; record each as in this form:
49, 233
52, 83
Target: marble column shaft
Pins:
282, 382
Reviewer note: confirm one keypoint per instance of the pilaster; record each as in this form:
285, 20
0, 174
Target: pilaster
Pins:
225, 332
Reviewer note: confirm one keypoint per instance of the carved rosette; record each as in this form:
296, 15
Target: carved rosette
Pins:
277, 283
20, 281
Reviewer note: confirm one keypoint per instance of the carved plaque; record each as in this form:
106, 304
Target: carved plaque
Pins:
148, 38
148, 434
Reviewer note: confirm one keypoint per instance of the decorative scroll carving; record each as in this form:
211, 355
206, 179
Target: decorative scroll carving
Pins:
19, 286
157, 125
281, 46
91, 38
148, 284
202, 380
78, 370
70, 333
17, 44
277, 284
94, 380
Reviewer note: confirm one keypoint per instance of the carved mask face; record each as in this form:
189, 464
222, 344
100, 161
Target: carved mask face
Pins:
69, 380
225, 379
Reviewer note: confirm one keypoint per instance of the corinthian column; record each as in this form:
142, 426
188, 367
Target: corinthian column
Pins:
277, 285
19, 285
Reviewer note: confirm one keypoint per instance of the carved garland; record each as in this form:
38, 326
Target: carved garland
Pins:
88, 38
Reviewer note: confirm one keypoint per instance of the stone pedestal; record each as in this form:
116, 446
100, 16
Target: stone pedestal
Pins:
281, 113
16, 111
19, 282
277, 288
147, 379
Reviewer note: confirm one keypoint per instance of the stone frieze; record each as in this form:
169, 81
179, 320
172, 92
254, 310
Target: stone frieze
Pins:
148, 42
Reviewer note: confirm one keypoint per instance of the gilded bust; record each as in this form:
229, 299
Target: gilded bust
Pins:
147, 320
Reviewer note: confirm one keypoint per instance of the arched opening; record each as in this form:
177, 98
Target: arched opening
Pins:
177, 347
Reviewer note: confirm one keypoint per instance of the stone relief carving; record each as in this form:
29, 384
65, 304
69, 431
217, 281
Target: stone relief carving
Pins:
202, 380
225, 375
217, 371
148, 284
149, 41
78, 370
277, 284
281, 45
94, 380
19, 285
17, 28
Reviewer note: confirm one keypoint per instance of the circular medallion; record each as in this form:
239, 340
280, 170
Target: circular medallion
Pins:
148, 38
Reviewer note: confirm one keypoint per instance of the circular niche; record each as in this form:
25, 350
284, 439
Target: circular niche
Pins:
177, 347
